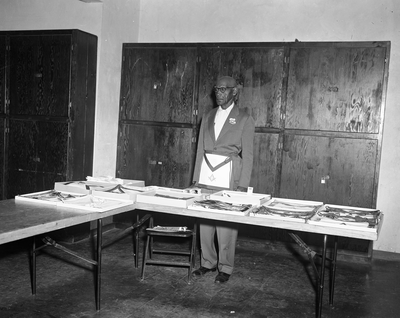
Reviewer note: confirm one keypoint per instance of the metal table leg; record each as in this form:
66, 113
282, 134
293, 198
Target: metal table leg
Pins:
321, 273
97, 262
33, 266
321, 280
333, 272
98, 266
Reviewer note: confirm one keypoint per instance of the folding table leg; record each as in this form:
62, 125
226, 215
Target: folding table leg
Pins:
98, 266
33, 266
136, 243
333, 272
322, 278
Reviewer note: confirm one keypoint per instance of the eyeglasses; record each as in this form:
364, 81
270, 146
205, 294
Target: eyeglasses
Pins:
222, 89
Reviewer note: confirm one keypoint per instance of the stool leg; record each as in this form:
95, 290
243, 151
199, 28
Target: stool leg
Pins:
194, 244
145, 256
136, 254
151, 225
192, 259
136, 243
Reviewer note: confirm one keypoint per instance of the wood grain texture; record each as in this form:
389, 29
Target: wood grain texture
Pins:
51, 82
348, 166
2, 155
318, 109
82, 110
52, 148
258, 71
37, 156
336, 88
263, 177
3, 69
161, 156
40, 74
158, 84
22, 145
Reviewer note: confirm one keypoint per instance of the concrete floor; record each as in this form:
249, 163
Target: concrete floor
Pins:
267, 282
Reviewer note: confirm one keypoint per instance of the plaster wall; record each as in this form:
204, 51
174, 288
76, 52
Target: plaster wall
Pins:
50, 14
120, 23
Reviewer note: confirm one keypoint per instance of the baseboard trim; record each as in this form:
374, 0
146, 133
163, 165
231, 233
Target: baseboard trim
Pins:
387, 256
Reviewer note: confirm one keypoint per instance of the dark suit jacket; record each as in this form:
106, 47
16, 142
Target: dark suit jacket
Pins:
237, 136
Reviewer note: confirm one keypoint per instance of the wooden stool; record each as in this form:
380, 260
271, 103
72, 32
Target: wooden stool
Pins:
170, 231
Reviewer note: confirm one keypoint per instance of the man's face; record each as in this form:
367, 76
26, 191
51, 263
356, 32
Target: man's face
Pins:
224, 99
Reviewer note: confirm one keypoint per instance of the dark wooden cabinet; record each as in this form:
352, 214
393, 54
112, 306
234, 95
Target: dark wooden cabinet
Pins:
158, 84
49, 108
168, 88
2, 109
157, 114
318, 109
333, 170
259, 70
158, 154
336, 88
334, 121
260, 73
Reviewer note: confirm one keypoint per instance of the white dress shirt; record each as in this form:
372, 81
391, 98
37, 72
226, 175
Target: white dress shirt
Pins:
220, 118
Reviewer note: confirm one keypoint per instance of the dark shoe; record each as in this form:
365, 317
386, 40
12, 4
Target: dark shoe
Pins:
202, 271
222, 278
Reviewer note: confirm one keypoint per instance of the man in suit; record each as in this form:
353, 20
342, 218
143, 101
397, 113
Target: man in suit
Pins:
227, 131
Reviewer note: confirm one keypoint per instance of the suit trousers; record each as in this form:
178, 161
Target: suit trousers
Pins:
222, 255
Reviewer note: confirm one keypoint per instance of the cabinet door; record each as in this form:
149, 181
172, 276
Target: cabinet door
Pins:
40, 74
36, 156
328, 169
22, 158
52, 148
264, 176
336, 88
2, 158
159, 155
259, 72
3, 97
158, 84
3, 70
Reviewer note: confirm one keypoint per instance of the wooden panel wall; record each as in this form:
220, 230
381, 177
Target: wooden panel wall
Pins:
159, 155
158, 84
258, 70
336, 88
171, 86
318, 109
265, 174
3, 122
38, 149
330, 170
2, 73
2, 153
